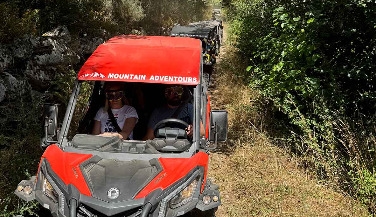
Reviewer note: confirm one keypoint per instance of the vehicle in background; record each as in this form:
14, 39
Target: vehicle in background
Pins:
209, 32
217, 31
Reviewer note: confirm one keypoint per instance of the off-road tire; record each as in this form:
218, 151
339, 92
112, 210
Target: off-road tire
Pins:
199, 213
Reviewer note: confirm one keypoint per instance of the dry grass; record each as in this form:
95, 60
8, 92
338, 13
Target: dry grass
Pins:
257, 178
260, 180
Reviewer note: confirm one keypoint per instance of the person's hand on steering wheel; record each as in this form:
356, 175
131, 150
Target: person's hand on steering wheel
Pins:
189, 130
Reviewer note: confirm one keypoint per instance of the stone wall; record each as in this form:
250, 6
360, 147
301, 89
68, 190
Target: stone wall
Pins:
35, 62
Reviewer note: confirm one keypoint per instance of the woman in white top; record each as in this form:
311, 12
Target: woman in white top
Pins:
126, 116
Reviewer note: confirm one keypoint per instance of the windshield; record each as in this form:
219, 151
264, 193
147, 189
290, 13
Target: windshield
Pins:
140, 101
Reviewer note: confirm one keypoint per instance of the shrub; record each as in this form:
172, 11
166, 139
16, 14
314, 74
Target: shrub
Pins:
16, 22
21, 131
313, 61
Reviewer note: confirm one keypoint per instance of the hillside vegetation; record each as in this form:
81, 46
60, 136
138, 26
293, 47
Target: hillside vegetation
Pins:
21, 106
256, 177
312, 63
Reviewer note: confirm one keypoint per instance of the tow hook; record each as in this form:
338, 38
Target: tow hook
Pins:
26, 189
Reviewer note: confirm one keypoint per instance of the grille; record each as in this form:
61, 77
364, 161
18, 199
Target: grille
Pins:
86, 211
88, 167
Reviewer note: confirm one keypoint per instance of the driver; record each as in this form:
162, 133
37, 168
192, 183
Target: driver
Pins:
175, 107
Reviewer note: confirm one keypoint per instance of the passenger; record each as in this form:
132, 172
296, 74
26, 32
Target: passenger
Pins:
174, 103
116, 118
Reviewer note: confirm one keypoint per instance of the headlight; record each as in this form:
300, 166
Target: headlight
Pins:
184, 196
48, 190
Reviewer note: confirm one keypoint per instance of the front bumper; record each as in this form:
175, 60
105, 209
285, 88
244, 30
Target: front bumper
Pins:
156, 204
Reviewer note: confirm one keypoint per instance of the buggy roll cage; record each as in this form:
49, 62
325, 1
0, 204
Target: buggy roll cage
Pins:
122, 58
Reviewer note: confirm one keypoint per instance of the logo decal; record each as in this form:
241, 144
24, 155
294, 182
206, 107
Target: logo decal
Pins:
113, 193
92, 75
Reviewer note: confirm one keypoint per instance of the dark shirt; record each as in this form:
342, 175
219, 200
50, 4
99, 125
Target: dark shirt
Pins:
161, 113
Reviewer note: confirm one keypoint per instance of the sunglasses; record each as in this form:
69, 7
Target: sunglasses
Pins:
174, 90
114, 95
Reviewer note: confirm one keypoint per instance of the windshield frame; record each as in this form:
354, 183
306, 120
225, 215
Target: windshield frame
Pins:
63, 140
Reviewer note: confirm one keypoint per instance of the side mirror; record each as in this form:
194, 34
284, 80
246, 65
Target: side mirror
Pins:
218, 126
50, 125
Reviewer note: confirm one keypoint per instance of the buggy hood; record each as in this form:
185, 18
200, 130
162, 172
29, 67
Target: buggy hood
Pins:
148, 59
94, 176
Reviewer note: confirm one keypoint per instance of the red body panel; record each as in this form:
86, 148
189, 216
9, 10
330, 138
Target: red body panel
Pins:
66, 166
173, 170
148, 59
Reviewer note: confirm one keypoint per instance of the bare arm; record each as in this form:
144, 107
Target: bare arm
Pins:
128, 127
149, 134
202, 129
126, 131
96, 128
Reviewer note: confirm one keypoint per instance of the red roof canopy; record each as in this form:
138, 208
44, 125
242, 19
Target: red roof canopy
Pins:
149, 59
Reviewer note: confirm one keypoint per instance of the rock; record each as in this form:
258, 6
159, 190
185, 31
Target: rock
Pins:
87, 46
36, 61
11, 82
5, 58
2, 92
23, 48
60, 32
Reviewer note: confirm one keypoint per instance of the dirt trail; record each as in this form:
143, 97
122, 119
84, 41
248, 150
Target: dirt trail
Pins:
257, 178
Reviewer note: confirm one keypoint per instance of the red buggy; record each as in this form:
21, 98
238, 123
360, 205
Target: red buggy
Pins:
86, 175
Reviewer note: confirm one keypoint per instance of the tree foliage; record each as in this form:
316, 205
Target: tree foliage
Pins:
93, 17
162, 16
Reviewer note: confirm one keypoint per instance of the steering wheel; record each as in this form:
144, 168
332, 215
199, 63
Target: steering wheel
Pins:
170, 122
